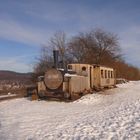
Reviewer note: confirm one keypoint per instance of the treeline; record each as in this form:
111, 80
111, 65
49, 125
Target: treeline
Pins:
93, 47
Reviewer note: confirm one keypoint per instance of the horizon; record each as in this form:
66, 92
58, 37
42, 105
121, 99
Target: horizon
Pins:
25, 26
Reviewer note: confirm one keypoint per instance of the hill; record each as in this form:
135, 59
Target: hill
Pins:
11, 76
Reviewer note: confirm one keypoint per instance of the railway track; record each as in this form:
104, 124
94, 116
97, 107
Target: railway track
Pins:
11, 96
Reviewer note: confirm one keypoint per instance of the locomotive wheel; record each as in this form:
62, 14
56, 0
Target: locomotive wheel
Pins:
67, 95
34, 95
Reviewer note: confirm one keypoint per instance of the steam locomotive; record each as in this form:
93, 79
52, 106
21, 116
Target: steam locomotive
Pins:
76, 81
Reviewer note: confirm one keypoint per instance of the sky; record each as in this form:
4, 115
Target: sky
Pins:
27, 25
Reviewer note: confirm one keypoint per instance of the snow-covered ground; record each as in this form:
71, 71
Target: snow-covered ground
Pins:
114, 115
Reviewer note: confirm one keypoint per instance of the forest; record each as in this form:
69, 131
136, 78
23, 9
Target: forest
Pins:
96, 46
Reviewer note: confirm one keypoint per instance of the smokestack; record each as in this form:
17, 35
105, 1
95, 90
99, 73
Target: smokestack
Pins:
55, 56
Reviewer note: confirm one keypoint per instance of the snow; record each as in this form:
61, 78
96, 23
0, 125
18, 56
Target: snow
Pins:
113, 115
69, 75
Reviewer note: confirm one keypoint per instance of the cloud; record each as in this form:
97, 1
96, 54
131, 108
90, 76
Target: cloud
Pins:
15, 31
130, 38
34, 22
20, 63
14, 65
130, 44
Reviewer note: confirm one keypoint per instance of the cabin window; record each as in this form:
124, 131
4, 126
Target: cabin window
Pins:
105, 73
102, 74
70, 67
112, 74
83, 68
108, 74
84, 72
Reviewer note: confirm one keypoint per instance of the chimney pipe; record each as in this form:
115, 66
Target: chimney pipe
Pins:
55, 56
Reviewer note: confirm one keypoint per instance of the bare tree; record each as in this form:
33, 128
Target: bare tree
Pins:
106, 44
94, 46
59, 42
44, 61
77, 49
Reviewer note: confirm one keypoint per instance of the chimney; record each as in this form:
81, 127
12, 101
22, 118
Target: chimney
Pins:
55, 56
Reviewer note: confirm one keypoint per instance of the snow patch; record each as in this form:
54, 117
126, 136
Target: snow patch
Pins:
90, 99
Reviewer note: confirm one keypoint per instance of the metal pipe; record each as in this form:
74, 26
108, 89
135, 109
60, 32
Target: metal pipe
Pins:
55, 56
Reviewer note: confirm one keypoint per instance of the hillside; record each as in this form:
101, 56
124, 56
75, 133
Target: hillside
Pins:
14, 76
10, 80
11, 75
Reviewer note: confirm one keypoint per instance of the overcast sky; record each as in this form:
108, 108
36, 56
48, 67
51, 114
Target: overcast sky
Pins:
27, 24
